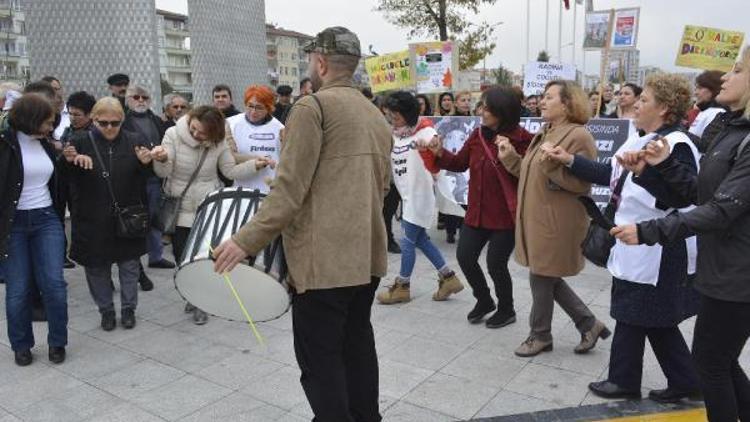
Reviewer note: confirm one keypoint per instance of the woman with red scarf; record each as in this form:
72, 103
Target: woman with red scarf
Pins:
490, 216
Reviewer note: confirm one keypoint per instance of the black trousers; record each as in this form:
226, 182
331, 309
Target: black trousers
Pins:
179, 239
452, 223
501, 243
335, 349
390, 206
721, 331
670, 348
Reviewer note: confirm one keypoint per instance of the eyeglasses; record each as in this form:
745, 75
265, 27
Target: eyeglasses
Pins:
141, 97
106, 123
180, 107
257, 107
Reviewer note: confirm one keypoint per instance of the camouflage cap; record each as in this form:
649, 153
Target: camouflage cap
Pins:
335, 40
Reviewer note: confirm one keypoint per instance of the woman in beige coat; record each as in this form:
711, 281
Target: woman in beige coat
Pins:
551, 223
201, 130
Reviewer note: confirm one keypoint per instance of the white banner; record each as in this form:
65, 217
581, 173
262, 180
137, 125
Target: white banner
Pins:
538, 74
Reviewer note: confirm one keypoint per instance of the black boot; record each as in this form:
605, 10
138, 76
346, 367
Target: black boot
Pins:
109, 320
145, 282
610, 390
393, 246
482, 308
500, 319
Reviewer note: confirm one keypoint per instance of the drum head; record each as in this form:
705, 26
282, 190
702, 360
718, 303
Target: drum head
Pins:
263, 296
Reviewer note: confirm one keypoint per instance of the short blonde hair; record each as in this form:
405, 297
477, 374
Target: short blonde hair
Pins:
107, 105
672, 91
578, 108
460, 94
745, 60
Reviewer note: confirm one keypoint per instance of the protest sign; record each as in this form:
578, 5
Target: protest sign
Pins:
454, 131
625, 28
609, 135
709, 48
434, 66
389, 71
597, 30
537, 74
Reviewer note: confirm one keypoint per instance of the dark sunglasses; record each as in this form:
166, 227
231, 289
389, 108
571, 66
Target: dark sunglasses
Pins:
106, 123
179, 107
141, 97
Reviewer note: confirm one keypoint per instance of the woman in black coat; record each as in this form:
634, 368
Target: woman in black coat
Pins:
96, 245
721, 221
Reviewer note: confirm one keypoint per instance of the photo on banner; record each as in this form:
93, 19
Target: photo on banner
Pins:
389, 71
538, 74
625, 28
709, 48
597, 30
454, 131
434, 66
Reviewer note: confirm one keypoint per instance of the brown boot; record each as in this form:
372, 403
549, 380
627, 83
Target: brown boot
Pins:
590, 337
397, 293
447, 286
532, 347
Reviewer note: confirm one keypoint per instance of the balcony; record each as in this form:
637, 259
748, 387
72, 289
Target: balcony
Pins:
172, 50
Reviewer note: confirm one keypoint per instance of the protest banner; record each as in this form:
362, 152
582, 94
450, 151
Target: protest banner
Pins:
609, 135
537, 74
625, 28
434, 66
389, 71
454, 131
709, 48
597, 30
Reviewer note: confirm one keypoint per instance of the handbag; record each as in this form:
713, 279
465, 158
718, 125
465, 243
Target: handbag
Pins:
597, 244
131, 222
165, 219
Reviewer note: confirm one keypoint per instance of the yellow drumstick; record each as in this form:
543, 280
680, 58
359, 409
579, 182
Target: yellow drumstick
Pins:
239, 301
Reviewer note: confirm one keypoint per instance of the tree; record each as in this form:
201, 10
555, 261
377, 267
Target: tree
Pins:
166, 88
503, 76
543, 57
444, 19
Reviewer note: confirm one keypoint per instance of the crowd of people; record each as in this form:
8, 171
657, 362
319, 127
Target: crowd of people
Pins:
680, 190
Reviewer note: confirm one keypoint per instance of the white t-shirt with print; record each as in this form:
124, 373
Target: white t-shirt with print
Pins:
262, 141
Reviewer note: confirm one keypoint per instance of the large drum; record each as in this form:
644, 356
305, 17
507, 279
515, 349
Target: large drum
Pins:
260, 283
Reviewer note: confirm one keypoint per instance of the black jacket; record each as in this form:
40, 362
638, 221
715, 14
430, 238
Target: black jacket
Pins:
92, 215
130, 126
230, 112
11, 183
722, 219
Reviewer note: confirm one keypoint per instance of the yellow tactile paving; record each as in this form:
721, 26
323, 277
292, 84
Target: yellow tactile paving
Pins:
696, 415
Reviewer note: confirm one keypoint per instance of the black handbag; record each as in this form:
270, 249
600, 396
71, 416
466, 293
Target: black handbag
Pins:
169, 206
598, 242
131, 222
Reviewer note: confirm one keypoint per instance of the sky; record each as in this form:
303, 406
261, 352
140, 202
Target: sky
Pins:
662, 24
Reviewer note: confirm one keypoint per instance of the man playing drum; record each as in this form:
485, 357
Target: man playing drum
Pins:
327, 203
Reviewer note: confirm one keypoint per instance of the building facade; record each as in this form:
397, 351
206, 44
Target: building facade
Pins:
14, 60
287, 62
174, 52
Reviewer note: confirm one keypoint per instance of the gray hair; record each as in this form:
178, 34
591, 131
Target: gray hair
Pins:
167, 100
137, 90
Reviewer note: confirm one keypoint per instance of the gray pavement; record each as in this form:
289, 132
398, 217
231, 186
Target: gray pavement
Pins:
434, 366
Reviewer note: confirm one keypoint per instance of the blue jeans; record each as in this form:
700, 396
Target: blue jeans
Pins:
35, 248
416, 237
153, 239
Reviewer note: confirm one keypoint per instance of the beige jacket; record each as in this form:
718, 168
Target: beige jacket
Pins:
184, 155
550, 221
327, 200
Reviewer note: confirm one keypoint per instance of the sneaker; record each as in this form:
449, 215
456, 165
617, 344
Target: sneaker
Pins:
396, 293
500, 319
590, 337
447, 286
393, 246
68, 264
199, 317
23, 357
481, 309
532, 347
109, 321
127, 319
189, 308
56, 355
145, 282
162, 263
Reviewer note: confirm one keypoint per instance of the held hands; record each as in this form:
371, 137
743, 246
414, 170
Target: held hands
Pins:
69, 152
271, 163
262, 162
83, 161
626, 234
556, 154
160, 154
227, 256
656, 151
633, 161
143, 154
434, 145
504, 148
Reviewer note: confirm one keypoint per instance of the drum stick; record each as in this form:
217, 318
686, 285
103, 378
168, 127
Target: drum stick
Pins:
239, 301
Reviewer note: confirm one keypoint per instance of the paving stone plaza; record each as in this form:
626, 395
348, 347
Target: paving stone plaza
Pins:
434, 366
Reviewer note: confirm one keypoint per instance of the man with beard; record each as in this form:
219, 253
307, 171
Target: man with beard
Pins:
327, 202
141, 120
118, 86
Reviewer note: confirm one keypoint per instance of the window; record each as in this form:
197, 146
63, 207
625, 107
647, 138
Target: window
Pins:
294, 71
